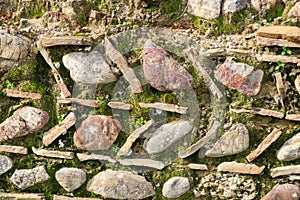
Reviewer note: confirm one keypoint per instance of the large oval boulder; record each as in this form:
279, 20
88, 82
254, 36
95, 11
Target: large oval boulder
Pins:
97, 132
120, 185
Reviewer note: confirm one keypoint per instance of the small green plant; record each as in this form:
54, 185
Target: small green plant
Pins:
140, 121
60, 118
279, 65
9, 84
286, 51
99, 99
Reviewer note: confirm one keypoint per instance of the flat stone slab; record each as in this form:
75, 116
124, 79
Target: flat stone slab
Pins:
240, 168
165, 107
283, 192
162, 71
263, 41
14, 149
166, 135
240, 76
33, 196
139, 162
53, 154
97, 132
196, 166
120, 185
290, 149
204, 8
84, 157
5, 164
24, 178
234, 141
19, 94
175, 187
23, 121
285, 170
60, 197
290, 33
70, 178
260, 111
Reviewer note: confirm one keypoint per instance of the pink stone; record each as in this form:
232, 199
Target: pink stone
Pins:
283, 192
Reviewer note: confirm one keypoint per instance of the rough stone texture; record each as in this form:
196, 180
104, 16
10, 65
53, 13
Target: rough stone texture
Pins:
234, 141
162, 71
295, 11
166, 135
84, 157
290, 33
13, 50
143, 163
226, 186
297, 83
175, 187
97, 132
14, 149
290, 149
196, 166
263, 5
283, 192
285, 170
23, 121
88, 68
240, 168
25, 178
5, 164
205, 8
120, 185
233, 6
70, 178
53, 154
240, 76
263, 41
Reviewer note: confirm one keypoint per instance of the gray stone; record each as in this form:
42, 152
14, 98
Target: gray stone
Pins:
88, 68
5, 164
290, 149
263, 5
175, 187
23, 121
70, 178
240, 76
120, 185
166, 135
234, 141
97, 132
295, 11
233, 6
25, 178
207, 9
285, 170
13, 50
283, 192
162, 71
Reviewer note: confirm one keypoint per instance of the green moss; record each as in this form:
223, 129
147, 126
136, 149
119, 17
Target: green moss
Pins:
172, 7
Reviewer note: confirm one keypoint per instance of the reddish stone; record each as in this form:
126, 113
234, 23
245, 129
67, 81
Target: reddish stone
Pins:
240, 76
97, 132
24, 120
162, 71
295, 11
283, 192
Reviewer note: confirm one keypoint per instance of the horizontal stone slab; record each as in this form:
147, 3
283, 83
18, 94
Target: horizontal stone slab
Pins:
53, 154
14, 149
285, 170
84, 157
19, 94
33, 196
165, 107
240, 168
260, 111
142, 163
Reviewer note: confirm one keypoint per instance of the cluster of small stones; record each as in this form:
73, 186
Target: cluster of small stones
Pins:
128, 185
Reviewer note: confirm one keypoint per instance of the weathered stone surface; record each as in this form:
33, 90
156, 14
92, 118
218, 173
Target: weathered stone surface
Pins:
53, 154
234, 141
18, 94
240, 168
263, 5
285, 170
47, 41
263, 41
283, 192
196, 166
290, 33
295, 11
165, 107
70, 178
59, 129
97, 132
139, 162
162, 71
280, 87
297, 83
13, 50
5, 164
259, 111
25, 178
27, 196
120, 185
166, 135
23, 121
240, 76
226, 186
84, 102
84, 157
13, 149
233, 6
276, 58
175, 187
120, 105
293, 117
88, 68
60, 197
272, 137
290, 149
205, 8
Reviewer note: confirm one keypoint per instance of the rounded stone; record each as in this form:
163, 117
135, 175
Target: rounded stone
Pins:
283, 192
70, 178
5, 164
175, 187
97, 132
